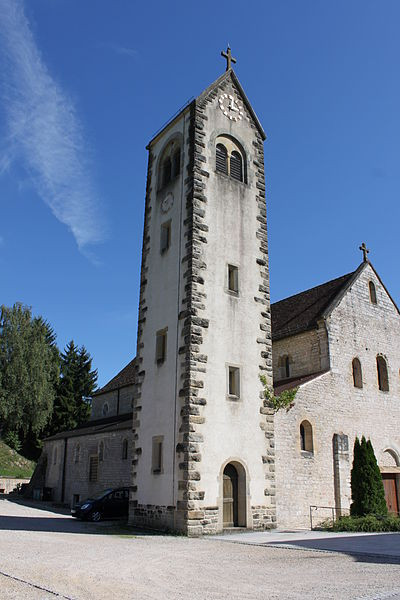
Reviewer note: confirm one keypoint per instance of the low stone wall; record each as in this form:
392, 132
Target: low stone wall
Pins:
8, 484
264, 517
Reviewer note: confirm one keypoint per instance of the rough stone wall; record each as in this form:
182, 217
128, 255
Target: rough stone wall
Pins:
331, 403
305, 351
113, 470
119, 402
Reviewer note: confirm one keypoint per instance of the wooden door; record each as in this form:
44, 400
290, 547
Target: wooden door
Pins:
390, 486
230, 511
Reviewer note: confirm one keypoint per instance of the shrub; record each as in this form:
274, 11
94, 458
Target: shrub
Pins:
369, 523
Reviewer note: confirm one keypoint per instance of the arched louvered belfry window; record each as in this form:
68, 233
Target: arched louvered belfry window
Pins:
236, 166
166, 171
230, 158
176, 163
221, 159
372, 292
169, 163
383, 377
357, 373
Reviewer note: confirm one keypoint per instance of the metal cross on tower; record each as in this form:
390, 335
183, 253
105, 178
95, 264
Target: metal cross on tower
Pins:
365, 251
229, 58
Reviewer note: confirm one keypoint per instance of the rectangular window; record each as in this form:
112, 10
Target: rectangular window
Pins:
93, 468
157, 454
233, 279
161, 346
165, 240
234, 382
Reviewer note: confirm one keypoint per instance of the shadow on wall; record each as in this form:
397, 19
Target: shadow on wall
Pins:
382, 548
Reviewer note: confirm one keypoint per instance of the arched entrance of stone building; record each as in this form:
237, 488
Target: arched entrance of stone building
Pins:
234, 495
389, 464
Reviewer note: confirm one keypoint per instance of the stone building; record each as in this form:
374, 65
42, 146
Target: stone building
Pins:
79, 463
203, 449
339, 344
185, 423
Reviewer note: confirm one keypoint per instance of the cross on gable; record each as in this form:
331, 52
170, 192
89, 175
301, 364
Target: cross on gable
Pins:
229, 58
365, 251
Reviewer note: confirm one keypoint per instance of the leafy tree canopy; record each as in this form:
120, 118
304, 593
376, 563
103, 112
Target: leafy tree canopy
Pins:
29, 369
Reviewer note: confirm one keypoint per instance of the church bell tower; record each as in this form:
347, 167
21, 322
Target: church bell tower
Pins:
203, 440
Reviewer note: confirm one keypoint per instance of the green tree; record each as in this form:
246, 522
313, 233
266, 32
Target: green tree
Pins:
29, 371
367, 490
76, 385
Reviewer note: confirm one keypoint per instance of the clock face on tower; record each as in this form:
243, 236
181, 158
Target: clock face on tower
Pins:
230, 107
167, 203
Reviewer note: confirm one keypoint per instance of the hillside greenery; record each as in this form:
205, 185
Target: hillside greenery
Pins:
13, 464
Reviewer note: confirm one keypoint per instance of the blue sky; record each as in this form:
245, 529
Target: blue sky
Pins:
83, 87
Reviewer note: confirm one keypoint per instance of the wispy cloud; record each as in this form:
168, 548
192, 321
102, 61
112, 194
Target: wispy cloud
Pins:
44, 130
124, 50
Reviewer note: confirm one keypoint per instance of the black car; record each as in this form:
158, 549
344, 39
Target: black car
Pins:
108, 504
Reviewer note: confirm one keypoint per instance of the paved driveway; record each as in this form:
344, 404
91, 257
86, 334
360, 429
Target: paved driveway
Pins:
46, 555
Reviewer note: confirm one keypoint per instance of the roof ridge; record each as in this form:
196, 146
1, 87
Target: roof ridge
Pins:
315, 287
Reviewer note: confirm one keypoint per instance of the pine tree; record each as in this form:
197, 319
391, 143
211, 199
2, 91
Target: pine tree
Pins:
77, 384
367, 490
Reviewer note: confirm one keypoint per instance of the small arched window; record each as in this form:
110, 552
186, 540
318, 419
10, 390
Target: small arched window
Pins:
372, 292
77, 454
357, 373
383, 378
101, 451
230, 158
105, 409
306, 437
125, 449
221, 159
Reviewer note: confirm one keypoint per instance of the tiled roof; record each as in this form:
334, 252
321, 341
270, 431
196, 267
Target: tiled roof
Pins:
288, 384
99, 426
122, 379
301, 312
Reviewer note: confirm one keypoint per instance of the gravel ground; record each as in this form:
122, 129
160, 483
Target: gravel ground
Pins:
82, 561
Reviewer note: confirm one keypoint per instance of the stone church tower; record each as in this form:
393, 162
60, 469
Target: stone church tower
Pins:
203, 442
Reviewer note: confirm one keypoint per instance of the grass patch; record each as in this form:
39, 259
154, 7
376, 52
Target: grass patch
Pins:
13, 464
367, 524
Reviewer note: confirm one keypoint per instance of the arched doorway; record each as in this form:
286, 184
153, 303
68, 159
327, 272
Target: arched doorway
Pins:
234, 495
230, 496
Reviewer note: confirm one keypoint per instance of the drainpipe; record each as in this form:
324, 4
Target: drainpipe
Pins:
118, 401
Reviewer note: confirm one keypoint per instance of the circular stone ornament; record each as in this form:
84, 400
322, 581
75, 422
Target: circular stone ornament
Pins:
230, 107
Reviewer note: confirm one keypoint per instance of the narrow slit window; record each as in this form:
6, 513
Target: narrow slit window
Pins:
234, 382
161, 346
287, 367
383, 377
233, 279
221, 159
357, 373
372, 293
93, 468
165, 241
306, 437
101, 451
157, 455
124, 449
236, 167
